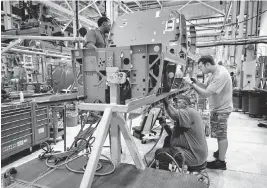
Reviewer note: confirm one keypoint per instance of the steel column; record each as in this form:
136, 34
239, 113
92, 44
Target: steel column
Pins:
233, 29
249, 16
239, 49
112, 10
7, 17
226, 48
263, 29
75, 20
254, 20
250, 49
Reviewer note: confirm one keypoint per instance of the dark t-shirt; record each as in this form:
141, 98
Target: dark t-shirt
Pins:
97, 38
189, 135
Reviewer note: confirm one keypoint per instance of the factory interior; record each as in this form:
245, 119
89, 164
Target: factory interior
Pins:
136, 94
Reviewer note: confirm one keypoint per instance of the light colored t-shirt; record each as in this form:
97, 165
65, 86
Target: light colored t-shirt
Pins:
220, 83
95, 36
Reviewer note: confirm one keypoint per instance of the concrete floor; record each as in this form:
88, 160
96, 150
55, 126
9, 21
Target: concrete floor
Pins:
246, 157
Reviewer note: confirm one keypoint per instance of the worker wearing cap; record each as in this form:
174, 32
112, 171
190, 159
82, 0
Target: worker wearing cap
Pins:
187, 138
219, 90
97, 38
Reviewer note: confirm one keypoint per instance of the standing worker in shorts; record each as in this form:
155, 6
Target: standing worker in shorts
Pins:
219, 89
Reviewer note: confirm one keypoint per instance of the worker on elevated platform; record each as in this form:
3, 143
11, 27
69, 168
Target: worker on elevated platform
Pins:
186, 141
97, 38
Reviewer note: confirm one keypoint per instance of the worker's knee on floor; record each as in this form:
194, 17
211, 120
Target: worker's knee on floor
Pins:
158, 151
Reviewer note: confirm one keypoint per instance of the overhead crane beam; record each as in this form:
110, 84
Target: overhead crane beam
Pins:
83, 20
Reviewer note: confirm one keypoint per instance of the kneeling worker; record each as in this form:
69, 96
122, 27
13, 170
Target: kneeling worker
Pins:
186, 139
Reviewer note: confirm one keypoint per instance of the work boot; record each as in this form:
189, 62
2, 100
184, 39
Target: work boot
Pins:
217, 164
216, 154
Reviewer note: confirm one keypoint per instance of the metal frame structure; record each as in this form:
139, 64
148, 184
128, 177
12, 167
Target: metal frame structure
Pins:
84, 21
138, 59
207, 5
11, 46
112, 118
38, 53
71, 11
237, 41
76, 39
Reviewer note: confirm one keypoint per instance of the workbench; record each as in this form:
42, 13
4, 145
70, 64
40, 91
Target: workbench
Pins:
27, 124
125, 175
23, 125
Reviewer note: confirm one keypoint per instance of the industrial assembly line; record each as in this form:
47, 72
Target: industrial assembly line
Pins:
55, 77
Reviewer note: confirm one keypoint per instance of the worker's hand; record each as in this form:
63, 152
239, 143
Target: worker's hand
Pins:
165, 101
193, 80
187, 80
162, 120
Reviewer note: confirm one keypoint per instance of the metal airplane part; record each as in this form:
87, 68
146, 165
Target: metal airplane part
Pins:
153, 44
141, 66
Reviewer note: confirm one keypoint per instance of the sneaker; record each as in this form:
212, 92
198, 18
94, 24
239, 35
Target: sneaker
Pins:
217, 164
216, 154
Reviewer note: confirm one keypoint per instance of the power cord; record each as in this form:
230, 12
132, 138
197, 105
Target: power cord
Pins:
172, 158
145, 156
48, 151
99, 166
246, 85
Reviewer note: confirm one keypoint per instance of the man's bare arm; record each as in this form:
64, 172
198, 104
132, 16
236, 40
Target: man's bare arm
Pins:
171, 111
202, 85
91, 45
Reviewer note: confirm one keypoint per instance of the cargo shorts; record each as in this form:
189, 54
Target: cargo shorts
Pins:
218, 124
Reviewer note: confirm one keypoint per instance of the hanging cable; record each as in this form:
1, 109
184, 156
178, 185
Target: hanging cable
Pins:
145, 156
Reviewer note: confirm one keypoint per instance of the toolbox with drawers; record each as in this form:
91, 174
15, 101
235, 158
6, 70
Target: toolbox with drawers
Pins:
22, 126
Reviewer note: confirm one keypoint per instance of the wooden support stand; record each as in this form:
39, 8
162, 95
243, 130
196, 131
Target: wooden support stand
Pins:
114, 121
